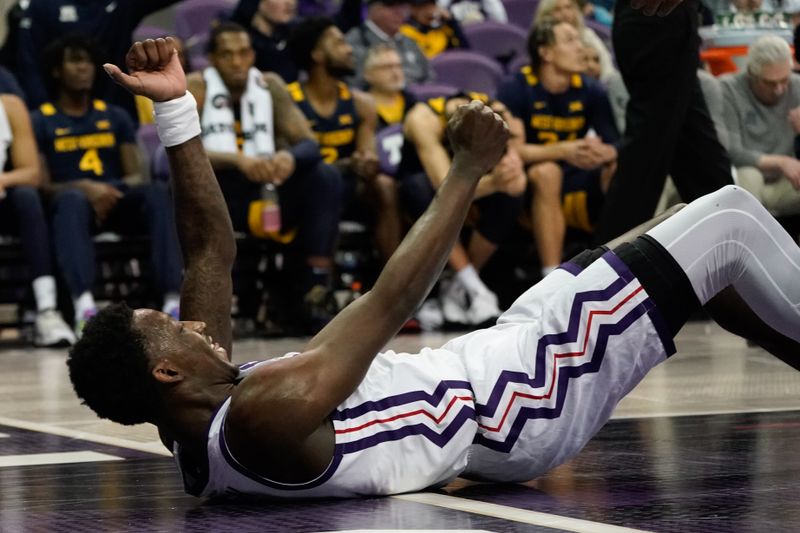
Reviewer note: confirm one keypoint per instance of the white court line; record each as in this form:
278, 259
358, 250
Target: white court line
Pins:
31, 459
515, 515
154, 447
669, 414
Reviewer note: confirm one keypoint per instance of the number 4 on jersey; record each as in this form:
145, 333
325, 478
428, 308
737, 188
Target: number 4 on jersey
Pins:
91, 162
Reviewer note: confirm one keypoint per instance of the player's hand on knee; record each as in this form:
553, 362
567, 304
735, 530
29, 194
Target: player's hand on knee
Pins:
478, 137
154, 70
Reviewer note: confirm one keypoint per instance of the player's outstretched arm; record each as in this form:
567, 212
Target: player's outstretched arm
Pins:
282, 403
204, 226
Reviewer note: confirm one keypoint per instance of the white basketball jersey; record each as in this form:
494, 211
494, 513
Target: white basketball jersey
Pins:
408, 426
502, 404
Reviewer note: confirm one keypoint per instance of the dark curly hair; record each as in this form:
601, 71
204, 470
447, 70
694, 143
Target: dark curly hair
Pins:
53, 57
305, 37
221, 29
110, 369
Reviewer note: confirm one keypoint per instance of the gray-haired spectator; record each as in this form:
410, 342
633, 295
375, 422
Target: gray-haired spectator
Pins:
384, 18
469, 11
762, 116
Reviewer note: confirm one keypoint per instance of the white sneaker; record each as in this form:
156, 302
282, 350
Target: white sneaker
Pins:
51, 330
453, 296
429, 315
483, 308
80, 322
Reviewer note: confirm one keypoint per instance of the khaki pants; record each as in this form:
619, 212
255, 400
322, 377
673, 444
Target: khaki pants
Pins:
779, 197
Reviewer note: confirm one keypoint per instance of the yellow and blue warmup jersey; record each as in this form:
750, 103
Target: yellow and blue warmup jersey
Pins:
566, 116
433, 41
335, 134
86, 147
409, 162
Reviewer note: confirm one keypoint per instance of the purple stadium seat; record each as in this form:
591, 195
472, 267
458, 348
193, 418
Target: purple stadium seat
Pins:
147, 138
149, 31
469, 71
602, 31
194, 17
390, 145
520, 12
159, 169
426, 91
503, 42
517, 64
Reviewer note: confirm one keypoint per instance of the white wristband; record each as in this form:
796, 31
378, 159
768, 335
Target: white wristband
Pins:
177, 120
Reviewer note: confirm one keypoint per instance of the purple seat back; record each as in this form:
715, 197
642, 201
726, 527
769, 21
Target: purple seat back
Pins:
517, 64
193, 17
149, 31
503, 42
520, 12
469, 71
147, 137
389, 142
160, 165
426, 91
602, 31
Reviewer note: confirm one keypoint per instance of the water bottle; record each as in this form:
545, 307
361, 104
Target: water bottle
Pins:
270, 209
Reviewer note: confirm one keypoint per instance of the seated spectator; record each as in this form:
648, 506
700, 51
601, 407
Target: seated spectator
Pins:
144, 106
92, 175
269, 26
344, 121
110, 23
258, 141
426, 158
469, 11
21, 212
9, 83
762, 116
386, 82
570, 168
568, 11
433, 29
591, 58
384, 19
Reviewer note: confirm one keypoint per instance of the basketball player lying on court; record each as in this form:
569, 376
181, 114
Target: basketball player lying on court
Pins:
505, 404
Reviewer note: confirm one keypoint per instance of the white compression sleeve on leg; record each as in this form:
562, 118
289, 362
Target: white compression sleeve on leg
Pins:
728, 238
177, 120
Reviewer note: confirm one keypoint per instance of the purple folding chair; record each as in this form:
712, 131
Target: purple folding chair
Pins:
426, 91
193, 17
147, 138
517, 64
159, 169
520, 12
502, 42
469, 71
602, 31
149, 31
389, 141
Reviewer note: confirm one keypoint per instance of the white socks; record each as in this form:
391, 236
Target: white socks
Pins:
547, 269
728, 238
470, 280
44, 290
83, 304
172, 304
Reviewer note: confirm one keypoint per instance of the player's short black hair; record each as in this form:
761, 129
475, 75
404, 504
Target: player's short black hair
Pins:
110, 370
304, 38
541, 34
219, 29
53, 56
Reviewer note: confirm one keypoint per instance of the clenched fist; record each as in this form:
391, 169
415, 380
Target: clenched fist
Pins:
478, 137
155, 70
